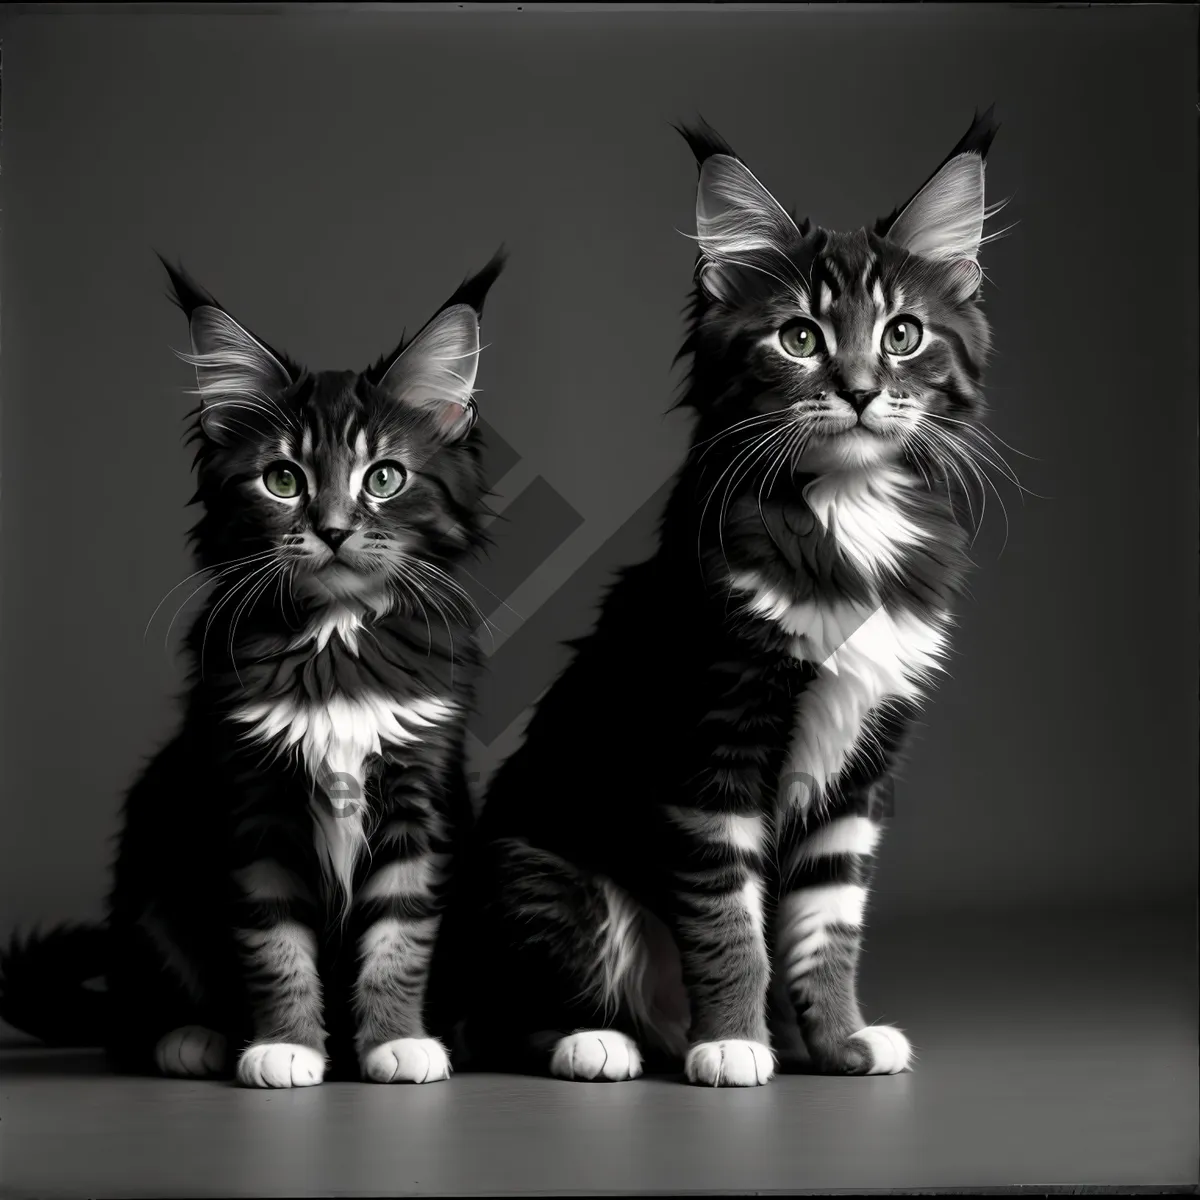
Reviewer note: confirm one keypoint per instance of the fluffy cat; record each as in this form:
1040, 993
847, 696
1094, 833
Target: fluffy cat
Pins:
283, 861
676, 860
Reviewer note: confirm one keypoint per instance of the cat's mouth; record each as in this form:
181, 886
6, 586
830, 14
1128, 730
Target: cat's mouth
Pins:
344, 572
850, 426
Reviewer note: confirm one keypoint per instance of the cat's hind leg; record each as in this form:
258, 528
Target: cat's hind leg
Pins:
564, 955
170, 971
164, 1014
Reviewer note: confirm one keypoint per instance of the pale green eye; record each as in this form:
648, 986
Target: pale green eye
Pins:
385, 479
902, 336
800, 339
283, 480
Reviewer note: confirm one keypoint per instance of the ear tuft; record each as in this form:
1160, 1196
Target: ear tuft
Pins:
704, 140
944, 218
436, 371
978, 138
186, 294
238, 377
474, 289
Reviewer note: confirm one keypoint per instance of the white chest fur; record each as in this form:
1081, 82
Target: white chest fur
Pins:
334, 738
343, 732
865, 655
861, 509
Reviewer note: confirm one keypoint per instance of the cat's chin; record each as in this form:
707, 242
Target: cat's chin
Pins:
338, 583
857, 447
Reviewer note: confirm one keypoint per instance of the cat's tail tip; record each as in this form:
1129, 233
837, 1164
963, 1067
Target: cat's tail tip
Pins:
44, 981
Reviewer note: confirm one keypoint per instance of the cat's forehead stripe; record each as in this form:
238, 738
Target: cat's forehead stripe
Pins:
836, 278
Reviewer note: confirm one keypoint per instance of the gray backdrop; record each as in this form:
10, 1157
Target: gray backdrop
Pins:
332, 177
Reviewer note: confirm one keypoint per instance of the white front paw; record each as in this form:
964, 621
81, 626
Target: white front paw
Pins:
191, 1052
888, 1048
596, 1054
280, 1065
731, 1063
407, 1060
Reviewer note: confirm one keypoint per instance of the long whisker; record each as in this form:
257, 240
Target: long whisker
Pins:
955, 447
252, 595
225, 599
413, 596
499, 599
765, 449
990, 453
922, 434
219, 568
770, 474
760, 419
749, 461
194, 593
733, 464
988, 432
984, 450
456, 589
427, 595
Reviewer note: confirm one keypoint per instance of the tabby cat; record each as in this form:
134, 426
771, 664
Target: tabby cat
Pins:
675, 862
283, 861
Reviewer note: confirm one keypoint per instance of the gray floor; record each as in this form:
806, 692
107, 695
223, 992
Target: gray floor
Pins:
1057, 1053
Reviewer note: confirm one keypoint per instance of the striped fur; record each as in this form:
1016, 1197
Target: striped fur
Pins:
690, 826
284, 861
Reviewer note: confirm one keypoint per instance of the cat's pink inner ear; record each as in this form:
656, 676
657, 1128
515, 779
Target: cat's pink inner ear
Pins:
453, 419
714, 280
437, 372
966, 277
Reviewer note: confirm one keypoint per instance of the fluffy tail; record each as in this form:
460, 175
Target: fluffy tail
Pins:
43, 978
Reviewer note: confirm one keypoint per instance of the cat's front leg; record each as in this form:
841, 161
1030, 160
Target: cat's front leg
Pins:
274, 930
827, 866
718, 924
395, 927
717, 844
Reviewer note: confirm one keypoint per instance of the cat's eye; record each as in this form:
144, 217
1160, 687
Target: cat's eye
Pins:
284, 479
385, 479
902, 336
801, 339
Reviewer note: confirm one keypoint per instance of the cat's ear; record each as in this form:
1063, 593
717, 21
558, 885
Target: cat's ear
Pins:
735, 215
436, 371
943, 222
239, 378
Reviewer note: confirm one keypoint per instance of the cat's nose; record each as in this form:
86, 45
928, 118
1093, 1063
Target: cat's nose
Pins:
334, 537
859, 398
